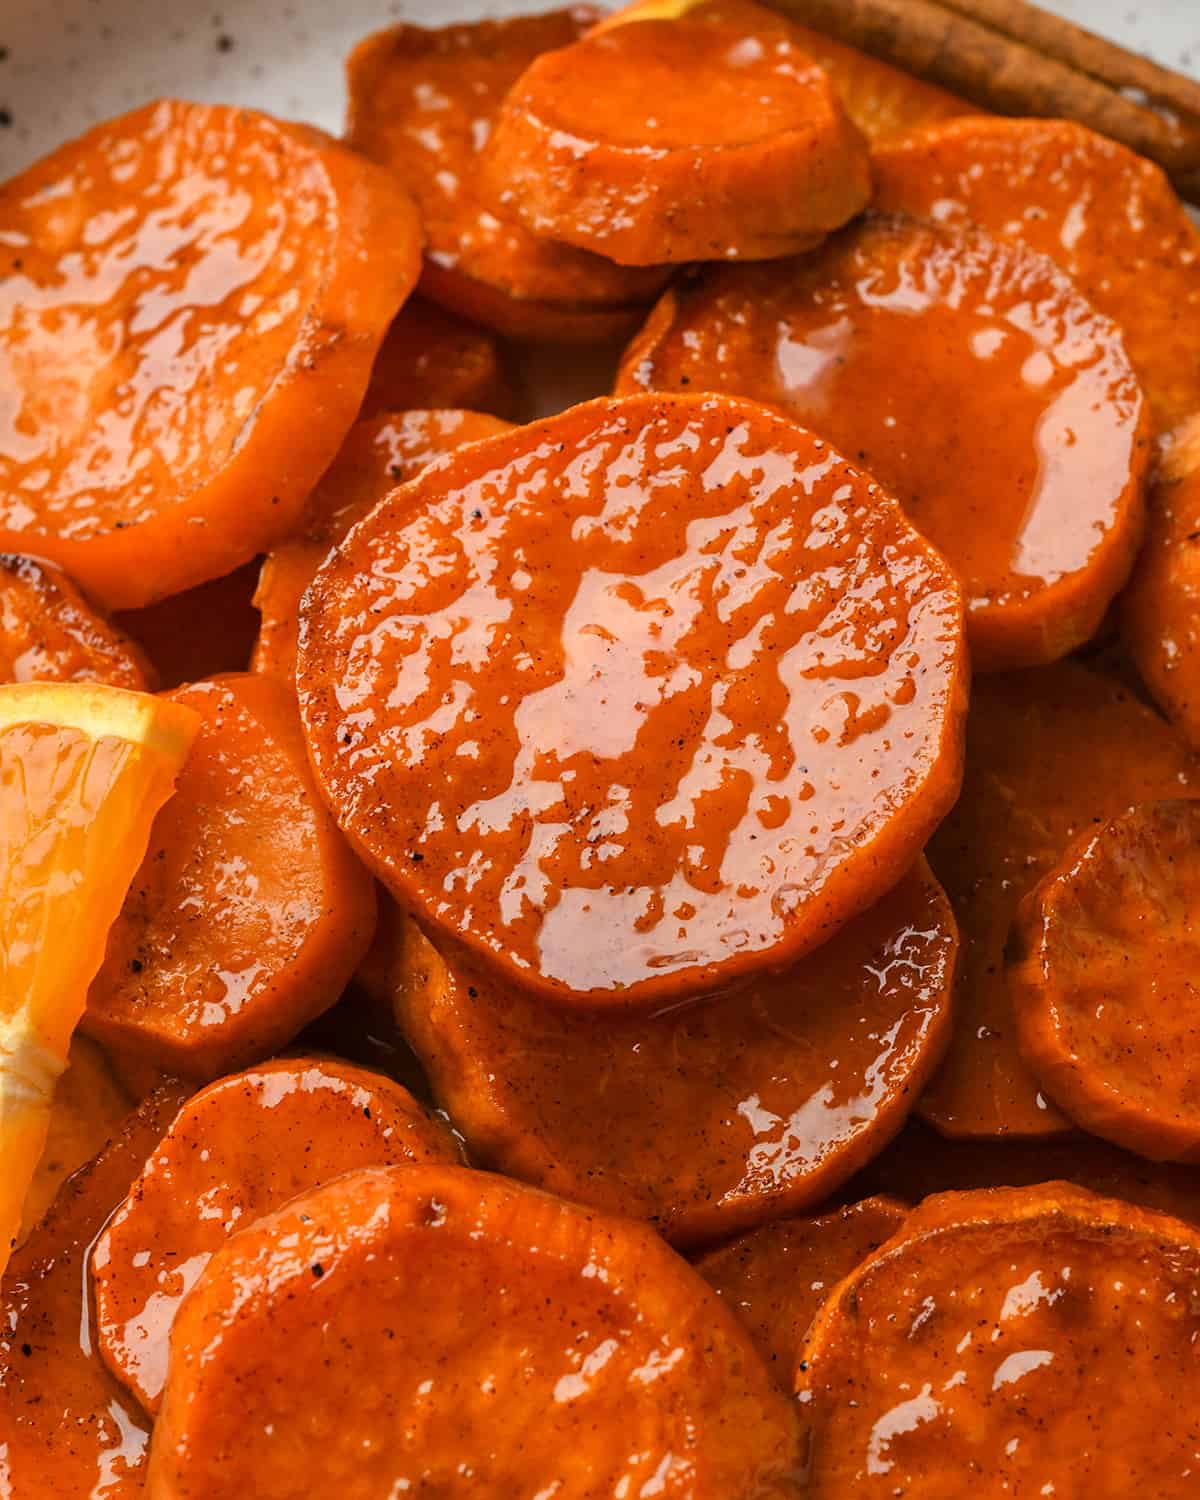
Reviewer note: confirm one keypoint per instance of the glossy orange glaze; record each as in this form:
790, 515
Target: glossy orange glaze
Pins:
1103, 965
708, 1119
709, 137
1049, 753
203, 631
1105, 214
67, 1429
1030, 478
1160, 618
190, 301
586, 1359
920, 1162
431, 359
88, 1104
249, 913
50, 633
638, 700
423, 102
775, 1278
379, 453
239, 1149
1037, 1341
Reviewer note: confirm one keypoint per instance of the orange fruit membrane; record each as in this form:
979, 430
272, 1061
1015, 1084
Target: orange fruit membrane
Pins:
83, 770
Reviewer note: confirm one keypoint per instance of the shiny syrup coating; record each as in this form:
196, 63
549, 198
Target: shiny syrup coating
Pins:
1037, 1341
425, 1329
1104, 214
190, 301
423, 102
238, 1149
67, 1428
1050, 752
971, 378
638, 700
380, 452
712, 136
1103, 966
705, 1119
775, 1278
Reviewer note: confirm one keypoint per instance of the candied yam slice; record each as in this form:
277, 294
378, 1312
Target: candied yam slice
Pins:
237, 1150
1103, 978
191, 298
201, 632
711, 136
1030, 481
422, 102
637, 700
776, 1277
67, 1429
432, 360
1160, 610
707, 1119
1106, 215
50, 633
1049, 753
1041, 1337
570, 1354
249, 913
379, 453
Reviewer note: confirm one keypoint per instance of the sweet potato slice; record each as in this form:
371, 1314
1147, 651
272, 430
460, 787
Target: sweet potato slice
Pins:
596, 699
237, 1150
920, 1162
89, 1102
50, 633
1104, 959
379, 453
67, 1428
1049, 753
1105, 214
1030, 481
249, 913
775, 1278
711, 136
1040, 1339
422, 102
190, 301
1160, 615
201, 632
705, 1120
432, 360
428, 1327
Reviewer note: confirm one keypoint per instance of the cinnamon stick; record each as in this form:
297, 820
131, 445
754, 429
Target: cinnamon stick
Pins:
1002, 74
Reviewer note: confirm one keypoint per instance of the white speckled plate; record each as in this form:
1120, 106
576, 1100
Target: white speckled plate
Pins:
68, 63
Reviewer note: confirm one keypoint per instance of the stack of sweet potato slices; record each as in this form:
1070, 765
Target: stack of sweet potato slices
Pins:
680, 908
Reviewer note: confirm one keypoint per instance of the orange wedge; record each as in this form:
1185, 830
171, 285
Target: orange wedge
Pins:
83, 770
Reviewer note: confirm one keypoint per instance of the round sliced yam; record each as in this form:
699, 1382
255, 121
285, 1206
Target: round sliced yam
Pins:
1030, 480
50, 633
636, 701
1041, 1339
431, 1328
776, 1277
712, 136
237, 1150
707, 1119
1105, 980
191, 298
1049, 753
422, 103
249, 913
1106, 215
379, 453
